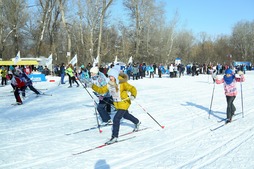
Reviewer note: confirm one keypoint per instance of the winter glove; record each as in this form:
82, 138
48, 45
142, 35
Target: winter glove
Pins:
240, 73
100, 97
131, 97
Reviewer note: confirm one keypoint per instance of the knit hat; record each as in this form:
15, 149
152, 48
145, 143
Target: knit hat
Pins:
117, 67
115, 73
229, 71
229, 79
94, 70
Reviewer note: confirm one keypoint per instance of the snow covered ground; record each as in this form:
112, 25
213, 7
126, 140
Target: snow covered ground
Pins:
40, 134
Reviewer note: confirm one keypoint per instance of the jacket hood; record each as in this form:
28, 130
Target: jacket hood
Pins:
122, 77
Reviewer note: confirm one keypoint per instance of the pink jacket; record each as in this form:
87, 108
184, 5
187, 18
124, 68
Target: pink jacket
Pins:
230, 89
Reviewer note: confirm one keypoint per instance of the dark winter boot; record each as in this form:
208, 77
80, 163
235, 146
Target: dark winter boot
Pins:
112, 140
137, 126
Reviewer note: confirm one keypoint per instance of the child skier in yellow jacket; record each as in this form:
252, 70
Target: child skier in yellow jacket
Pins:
119, 88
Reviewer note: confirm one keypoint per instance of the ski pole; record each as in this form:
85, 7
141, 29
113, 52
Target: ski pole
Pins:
150, 115
211, 101
95, 104
241, 96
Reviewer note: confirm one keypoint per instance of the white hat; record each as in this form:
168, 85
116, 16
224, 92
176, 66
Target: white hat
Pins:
115, 73
117, 67
94, 70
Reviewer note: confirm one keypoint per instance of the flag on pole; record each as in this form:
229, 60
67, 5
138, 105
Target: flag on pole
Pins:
74, 60
17, 58
96, 61
49, 60
115, 60
130, 60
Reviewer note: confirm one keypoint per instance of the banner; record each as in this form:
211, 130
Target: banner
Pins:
37, 77
96, 61
49, 60
115, 60
74, 60
130, 60
17, 58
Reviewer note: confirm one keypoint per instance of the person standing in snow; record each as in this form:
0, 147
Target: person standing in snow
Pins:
119, 88
171, 70
99, 79
4, 74
151, 71
229, 80
62, 73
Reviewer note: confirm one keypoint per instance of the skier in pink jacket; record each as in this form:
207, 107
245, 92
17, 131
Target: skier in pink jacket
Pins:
229, 80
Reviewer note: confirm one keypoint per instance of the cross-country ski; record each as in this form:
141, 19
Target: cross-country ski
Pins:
103, 145
119, 140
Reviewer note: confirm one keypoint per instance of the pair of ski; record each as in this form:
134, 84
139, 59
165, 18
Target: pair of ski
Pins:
118, 141
44, 94
88, 129
224, 124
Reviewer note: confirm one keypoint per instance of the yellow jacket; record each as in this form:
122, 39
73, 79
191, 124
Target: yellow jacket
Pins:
124, 89
69, 71
3, 73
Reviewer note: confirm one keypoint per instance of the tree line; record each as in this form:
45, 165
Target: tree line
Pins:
85, 28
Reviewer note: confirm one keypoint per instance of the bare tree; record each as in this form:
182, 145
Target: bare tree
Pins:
13, 18
92, 17
61, 4
242, 39
184, 42
53, 27
45, 5
103, 13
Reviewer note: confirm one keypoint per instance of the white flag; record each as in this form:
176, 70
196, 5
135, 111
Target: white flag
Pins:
74, 60
17, 58
49, 60
96, 61
115, 60
130, 60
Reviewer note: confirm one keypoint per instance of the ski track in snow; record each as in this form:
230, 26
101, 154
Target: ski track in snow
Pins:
176, 143
185, 115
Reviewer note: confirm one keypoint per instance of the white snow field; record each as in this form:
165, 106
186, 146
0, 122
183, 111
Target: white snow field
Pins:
46, 131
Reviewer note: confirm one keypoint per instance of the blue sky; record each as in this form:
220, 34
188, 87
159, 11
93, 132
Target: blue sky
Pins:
215, 17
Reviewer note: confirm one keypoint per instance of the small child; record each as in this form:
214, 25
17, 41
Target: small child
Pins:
229, 80
17, 84
118, 87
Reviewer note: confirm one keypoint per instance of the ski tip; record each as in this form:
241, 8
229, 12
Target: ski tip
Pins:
100, 131
163, 127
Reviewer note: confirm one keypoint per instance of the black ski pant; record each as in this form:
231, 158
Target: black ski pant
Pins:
33, 89
72, 78
4, 81
102, 109
230, 106
118, 116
